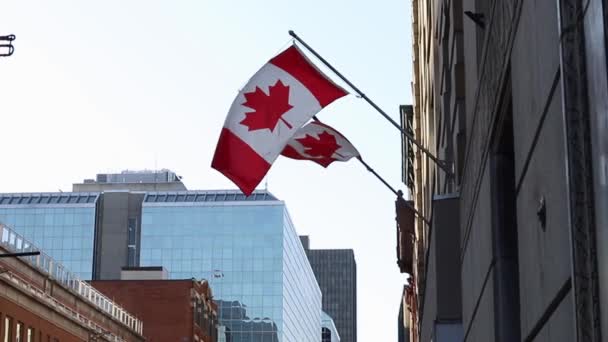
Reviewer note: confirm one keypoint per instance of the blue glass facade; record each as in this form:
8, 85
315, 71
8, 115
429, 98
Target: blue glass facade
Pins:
252, 256
63, 230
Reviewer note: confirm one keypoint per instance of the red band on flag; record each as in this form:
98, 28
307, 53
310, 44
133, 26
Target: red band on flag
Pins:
291, 152
239, 162
294, 62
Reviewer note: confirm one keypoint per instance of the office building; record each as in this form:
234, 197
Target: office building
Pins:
40, 300
173, 310
246, 246
62, 224
511, 96
336, 273
250, 252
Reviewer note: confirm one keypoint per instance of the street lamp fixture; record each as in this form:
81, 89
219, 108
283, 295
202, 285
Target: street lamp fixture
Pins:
16, 255
6, 45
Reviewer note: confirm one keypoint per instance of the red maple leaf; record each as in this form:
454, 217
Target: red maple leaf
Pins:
268, 109
324, 147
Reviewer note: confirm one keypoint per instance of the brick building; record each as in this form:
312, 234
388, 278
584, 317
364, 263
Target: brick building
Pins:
41, 301
174, 310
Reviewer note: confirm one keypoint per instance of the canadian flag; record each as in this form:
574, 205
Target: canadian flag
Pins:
321, 144
279, 99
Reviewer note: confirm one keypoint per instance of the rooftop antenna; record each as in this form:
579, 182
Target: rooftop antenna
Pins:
155, 167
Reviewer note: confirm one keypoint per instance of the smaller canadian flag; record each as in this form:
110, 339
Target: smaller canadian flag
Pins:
319, 143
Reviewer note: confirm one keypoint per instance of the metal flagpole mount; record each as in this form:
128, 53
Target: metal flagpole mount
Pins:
447, 166
419, 214
441, 164
398, 193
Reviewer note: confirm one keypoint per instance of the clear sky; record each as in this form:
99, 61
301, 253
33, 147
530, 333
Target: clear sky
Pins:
102, 86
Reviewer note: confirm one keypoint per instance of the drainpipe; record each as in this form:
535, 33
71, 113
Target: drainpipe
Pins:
595, 24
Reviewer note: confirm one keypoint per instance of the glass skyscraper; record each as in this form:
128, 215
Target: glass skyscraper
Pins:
62, 224
249, 250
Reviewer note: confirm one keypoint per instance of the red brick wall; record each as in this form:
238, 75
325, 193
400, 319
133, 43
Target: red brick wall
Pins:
42, 326
164, 306
37, 279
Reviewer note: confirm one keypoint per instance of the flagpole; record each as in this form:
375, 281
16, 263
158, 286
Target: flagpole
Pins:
440, 163
397, 193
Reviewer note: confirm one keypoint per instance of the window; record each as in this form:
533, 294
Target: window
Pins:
19, 332
31, 335
131, 230
325, 335
131, 242
8, 325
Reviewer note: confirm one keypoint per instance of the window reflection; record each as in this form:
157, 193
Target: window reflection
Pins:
64, 233
264, 287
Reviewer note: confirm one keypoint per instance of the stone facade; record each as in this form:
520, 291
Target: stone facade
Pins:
503, 93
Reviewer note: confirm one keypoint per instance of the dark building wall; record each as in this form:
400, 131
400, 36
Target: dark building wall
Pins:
540, 172
596, 45
118, 213
336, 273
445, 219
442, 296
305, 241
516, 83
506, 100
441, 125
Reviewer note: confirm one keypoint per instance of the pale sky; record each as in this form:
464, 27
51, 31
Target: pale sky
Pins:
103, 86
